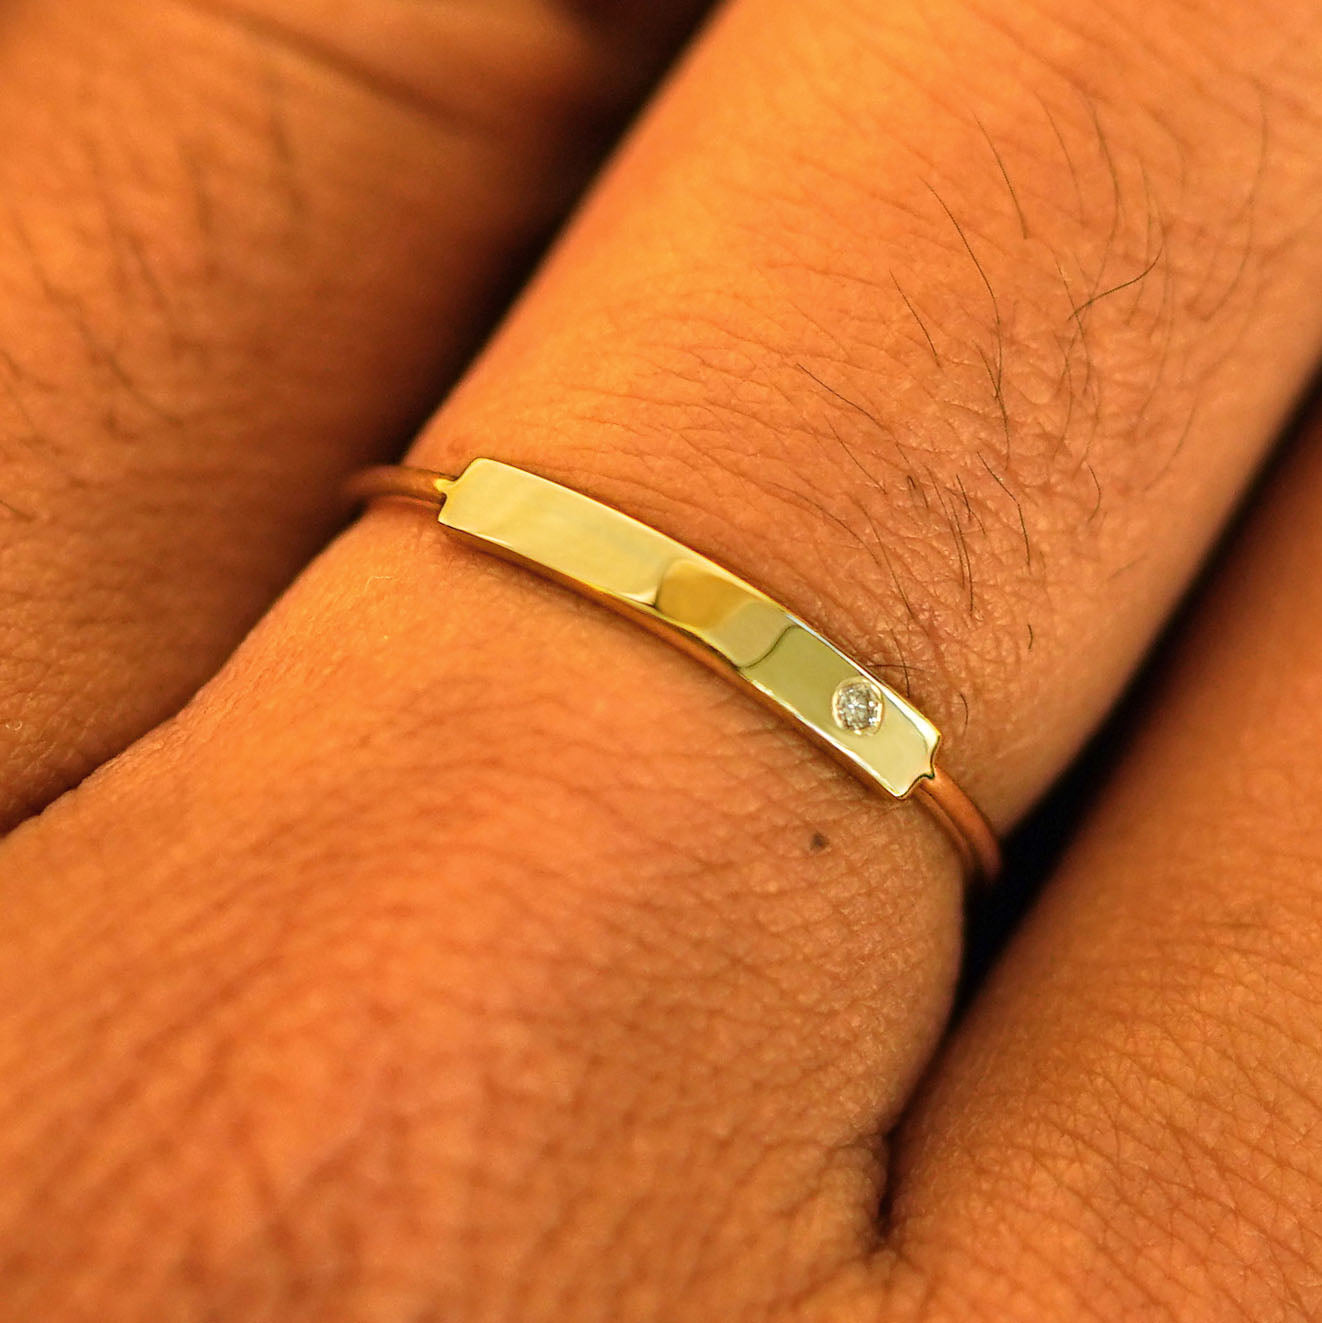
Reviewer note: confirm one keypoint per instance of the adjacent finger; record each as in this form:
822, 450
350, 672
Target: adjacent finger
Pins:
1127, 1126
242, 247
598, 983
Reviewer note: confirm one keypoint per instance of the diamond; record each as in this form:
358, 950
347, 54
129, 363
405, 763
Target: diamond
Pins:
857, 706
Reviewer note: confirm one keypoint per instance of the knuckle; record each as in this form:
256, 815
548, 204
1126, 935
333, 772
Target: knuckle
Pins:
464, 65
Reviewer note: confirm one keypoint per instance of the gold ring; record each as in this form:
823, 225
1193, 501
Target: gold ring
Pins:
714, 615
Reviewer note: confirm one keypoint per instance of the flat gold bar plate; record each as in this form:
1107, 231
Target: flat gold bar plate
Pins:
691, 600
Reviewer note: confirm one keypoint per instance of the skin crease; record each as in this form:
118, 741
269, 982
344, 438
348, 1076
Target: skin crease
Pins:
399, 978
243, 246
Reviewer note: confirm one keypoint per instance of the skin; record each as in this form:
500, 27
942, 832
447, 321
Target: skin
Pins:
462, 952
185, 182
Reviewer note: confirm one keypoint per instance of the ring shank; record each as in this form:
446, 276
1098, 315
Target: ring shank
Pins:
400, 482
964, 822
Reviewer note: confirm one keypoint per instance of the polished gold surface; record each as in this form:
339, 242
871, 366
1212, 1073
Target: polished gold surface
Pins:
715, 615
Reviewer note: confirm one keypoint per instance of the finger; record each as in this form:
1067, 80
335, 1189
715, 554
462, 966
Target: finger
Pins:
969, 417
243, 245
1127, 1124
599, 983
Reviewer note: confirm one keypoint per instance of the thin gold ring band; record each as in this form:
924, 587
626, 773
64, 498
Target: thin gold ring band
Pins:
717, 617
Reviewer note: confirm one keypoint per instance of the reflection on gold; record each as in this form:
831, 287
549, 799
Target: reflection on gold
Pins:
720, 618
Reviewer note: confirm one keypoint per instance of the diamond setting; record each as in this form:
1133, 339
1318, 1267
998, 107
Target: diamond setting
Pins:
857, 706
